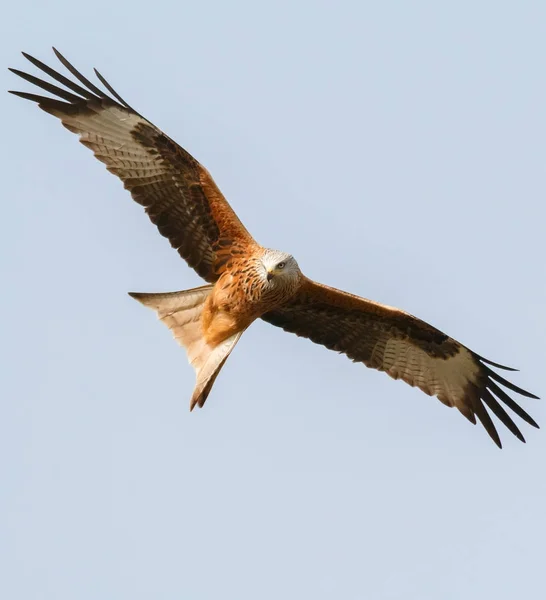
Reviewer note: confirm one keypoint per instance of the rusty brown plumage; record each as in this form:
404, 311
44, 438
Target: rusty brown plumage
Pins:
247, 281
403, 346
178, 194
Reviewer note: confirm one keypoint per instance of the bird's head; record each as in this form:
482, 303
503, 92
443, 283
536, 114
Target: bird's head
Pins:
280, 268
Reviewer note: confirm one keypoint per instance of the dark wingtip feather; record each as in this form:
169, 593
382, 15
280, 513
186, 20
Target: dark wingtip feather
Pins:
52, 106
26, 96
34, 97
58, 54
78, 94
496, 440
501, 414
494, 364
508, 384
111, 89
81, 78
469, 415
514, 406
71, 85
48, 87
485, 419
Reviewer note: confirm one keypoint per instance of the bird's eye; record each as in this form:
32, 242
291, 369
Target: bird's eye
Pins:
281, 265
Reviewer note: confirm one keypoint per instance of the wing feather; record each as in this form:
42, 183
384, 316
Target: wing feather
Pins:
178, 193
501, 414
391, 340
59, 77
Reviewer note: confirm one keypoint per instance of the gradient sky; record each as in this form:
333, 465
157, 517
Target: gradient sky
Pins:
397, 150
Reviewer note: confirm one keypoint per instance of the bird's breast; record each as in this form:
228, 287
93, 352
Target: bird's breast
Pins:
242, 288
236, 300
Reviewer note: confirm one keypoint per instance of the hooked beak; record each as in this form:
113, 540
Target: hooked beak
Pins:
269, 276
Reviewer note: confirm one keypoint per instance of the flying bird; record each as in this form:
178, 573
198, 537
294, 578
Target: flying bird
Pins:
246, 281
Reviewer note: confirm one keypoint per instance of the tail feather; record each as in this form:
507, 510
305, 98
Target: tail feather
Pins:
181, 312
206, 376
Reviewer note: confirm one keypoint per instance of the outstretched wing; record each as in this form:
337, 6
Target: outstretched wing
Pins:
406, 348
178, 194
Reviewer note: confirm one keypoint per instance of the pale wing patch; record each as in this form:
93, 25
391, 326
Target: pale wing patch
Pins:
108, 134
446, 378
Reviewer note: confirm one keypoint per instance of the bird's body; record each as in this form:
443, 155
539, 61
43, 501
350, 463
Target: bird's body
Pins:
243, 293
246, 281
211, 324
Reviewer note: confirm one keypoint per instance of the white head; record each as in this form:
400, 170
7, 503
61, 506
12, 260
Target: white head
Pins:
280, 268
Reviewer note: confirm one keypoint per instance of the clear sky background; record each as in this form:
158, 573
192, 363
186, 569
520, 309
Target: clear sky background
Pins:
397, 150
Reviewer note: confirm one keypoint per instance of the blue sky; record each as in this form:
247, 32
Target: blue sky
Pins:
397, 150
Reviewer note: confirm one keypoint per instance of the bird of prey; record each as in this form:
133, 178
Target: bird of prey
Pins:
246, 281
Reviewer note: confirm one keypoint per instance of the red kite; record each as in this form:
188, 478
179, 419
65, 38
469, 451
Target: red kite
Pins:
246, 281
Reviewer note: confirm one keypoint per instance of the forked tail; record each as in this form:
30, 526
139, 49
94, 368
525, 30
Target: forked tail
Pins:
181, 312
